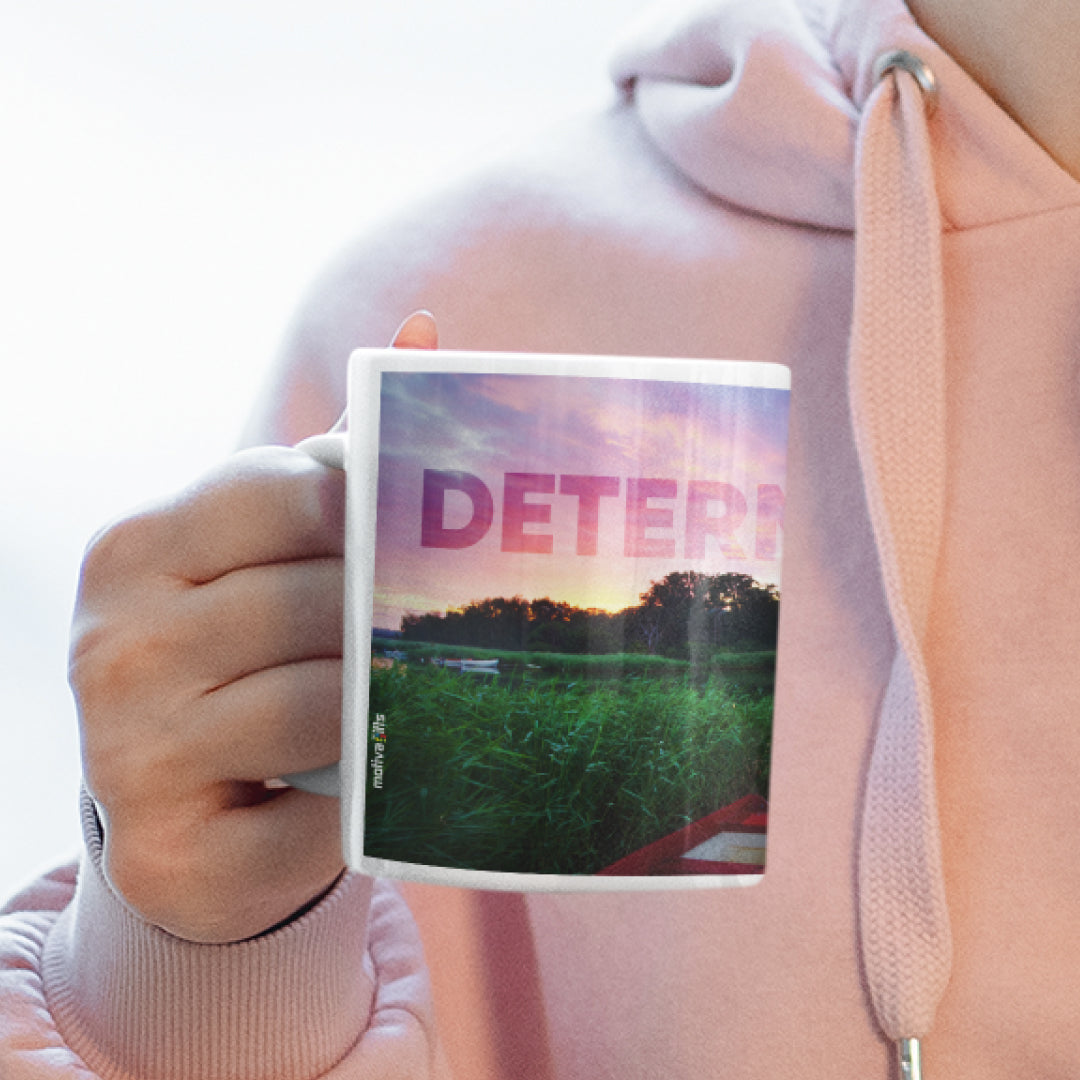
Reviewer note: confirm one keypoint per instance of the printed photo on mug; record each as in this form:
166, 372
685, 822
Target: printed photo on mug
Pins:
562, 608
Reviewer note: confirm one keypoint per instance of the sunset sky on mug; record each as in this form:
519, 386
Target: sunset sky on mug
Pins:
491, 425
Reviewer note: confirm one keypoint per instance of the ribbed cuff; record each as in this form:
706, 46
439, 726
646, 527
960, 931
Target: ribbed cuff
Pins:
134, 1001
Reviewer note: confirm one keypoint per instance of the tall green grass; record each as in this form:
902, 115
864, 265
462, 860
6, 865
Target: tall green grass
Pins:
555, 775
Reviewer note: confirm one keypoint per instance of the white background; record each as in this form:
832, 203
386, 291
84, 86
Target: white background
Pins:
174, 174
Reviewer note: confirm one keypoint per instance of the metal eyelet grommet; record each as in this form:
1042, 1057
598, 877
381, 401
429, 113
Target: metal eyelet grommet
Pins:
914, 66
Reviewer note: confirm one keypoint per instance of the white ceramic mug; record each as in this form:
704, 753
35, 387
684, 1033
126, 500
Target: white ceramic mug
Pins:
562, 584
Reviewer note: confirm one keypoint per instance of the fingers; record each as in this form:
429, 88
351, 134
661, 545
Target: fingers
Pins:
219, 876
266, 506
269, 860
263, 506
206, 658
284, 719
259, 617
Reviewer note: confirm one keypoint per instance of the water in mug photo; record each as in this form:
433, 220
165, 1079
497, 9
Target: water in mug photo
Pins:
574, 609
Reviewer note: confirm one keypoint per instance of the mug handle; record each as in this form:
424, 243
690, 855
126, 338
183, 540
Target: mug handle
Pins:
328, 449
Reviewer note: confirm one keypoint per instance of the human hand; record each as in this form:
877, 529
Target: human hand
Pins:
205, 660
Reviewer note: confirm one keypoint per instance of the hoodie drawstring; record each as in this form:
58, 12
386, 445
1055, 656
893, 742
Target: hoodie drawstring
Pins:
897, 393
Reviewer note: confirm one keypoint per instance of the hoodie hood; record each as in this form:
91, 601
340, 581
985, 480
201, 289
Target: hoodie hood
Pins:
758, 103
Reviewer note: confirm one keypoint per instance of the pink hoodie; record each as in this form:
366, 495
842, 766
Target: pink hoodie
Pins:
921, 864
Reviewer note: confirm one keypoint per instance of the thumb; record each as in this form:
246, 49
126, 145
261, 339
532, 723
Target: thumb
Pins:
418, 331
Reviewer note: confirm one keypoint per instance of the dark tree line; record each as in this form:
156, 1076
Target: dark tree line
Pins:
680, 615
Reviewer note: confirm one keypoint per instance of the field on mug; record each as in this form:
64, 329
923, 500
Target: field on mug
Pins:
555, 769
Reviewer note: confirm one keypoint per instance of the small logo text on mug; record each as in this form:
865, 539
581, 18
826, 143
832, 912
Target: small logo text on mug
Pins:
378, 745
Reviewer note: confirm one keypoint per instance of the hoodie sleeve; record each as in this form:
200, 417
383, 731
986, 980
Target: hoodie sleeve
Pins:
88, 990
